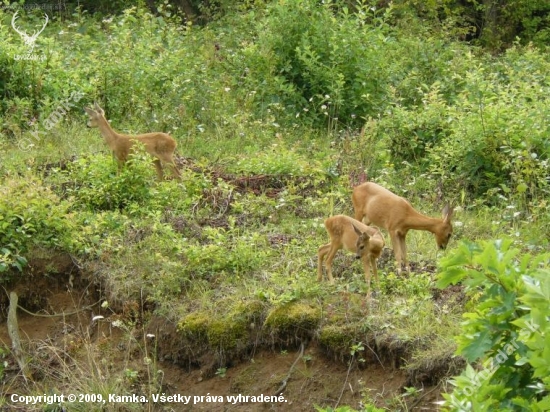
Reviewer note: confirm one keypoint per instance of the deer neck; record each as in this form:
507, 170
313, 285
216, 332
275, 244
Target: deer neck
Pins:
107, 132
418, 221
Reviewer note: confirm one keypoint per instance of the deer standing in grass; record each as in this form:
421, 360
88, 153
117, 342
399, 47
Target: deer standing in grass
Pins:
345, 232
159, 145
385, 209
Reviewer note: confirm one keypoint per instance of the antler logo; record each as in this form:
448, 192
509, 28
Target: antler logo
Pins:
29, 40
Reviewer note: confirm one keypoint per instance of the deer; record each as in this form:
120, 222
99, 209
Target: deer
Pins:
159, 145
376, 205
347, 233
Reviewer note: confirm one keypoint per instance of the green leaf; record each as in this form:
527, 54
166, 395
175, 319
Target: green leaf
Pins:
521, 188
478, 347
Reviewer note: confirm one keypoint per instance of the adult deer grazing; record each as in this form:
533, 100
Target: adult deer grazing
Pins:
345, 232
385, 209
159, 145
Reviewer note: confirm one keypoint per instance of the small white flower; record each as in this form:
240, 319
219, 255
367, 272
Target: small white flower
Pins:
118, 323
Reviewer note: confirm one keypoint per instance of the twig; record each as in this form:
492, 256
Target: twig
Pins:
417, 400
13, 331
345, 381
285, 380
56, 314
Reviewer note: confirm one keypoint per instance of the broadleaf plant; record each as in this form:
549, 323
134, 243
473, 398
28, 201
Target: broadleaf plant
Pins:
506, 338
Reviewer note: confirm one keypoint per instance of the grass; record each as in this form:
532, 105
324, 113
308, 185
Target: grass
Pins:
235, 266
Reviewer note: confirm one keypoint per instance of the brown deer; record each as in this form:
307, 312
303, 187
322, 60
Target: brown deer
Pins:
159, 145
385, 209
345, 232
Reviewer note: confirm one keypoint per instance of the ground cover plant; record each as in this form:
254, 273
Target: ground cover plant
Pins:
279, 110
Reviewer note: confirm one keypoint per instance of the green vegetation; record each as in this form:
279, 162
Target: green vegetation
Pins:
507, 332
279, 109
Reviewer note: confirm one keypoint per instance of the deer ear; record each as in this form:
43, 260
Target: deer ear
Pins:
359, 233
98, 109
447, 212
89, 111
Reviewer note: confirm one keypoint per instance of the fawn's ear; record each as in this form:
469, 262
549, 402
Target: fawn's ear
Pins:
359, 233
89, 111
98, 109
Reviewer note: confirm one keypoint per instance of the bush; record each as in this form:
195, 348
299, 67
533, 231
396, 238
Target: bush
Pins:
95, 184
31, 216
332, 60
506, 336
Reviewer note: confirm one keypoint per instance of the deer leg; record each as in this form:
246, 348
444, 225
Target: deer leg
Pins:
404, 254
330, 258
120, 165
396, 244
374, 270
366, 267
323, 250
158, 166
175, 171
170, 160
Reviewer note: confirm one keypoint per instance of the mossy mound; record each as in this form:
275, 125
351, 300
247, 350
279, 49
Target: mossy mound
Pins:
195, 325
292, 322
228, 335
337, 340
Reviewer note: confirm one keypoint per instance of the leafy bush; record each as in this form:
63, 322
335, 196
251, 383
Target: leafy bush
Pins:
331, 60
506, 335
96, 185
226, 253
487, 134
31, 215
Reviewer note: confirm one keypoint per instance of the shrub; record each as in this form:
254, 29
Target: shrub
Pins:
95, 184
505, 335
31, 215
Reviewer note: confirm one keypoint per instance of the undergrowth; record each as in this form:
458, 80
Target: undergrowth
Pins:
278, 112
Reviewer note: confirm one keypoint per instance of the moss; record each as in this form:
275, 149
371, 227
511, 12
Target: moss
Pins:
338, 339
226, 333
195, 324
294, 320
249, 311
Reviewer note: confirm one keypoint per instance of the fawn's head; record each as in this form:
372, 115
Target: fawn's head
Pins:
361, 244
94, 114
445, 230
